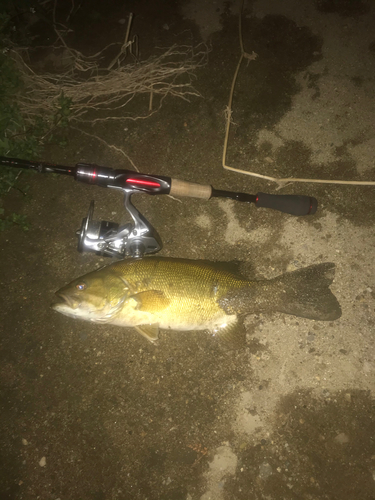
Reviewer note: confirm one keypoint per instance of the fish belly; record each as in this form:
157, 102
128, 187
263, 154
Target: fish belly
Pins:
175, 318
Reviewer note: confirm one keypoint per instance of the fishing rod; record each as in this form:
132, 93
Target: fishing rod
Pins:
135, 240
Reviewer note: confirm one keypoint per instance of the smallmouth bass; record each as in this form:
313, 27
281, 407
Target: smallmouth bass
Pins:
178, 294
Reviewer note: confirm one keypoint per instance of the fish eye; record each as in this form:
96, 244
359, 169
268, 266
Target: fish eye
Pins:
81, 286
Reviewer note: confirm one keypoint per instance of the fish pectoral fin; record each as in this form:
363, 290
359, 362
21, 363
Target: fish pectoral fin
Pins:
151, 301
233, 334
150, 332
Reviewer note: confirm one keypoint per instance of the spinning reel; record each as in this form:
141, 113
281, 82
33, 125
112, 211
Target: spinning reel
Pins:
135, 240
112, 240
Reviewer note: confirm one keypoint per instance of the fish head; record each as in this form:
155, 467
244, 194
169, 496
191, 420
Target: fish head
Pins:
97, 296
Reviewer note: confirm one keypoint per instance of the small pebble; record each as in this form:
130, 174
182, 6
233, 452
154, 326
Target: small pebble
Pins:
342, 438
42, 462
265, 470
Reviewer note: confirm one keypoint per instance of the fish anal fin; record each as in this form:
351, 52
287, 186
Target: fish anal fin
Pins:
151, 301
150, 332
234, 334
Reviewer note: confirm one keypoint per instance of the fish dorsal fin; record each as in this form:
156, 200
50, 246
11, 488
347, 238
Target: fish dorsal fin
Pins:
233, 334
151, 301
233, 266
150, 332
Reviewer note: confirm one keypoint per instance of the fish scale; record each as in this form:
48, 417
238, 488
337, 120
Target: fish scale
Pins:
192, 288
181, 294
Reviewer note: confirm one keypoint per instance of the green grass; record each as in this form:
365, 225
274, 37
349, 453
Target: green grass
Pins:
18, 137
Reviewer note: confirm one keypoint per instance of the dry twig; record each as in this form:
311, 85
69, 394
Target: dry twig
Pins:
90, 91
281, 182
103, 95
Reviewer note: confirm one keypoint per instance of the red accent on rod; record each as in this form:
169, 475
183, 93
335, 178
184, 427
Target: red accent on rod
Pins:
143, 182
308, 213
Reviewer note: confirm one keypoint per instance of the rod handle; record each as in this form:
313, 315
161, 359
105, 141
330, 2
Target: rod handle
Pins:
288, 203
191, 189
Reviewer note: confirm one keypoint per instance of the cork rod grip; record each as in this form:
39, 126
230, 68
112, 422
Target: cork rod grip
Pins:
184, 188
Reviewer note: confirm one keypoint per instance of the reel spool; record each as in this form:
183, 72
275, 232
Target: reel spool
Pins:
112, 240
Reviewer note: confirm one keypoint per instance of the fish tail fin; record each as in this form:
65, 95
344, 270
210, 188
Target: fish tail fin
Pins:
303, 293
306, 293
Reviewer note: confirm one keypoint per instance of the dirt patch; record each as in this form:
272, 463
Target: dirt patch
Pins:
319, 448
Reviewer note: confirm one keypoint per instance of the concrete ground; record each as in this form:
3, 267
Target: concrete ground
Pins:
95, 412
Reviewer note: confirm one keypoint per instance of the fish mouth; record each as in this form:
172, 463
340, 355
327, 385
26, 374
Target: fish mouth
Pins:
61, 298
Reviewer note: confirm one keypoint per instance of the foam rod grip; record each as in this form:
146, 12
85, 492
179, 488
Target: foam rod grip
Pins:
288, 203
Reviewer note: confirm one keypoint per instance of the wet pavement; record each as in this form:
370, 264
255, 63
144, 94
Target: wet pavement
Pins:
95, 411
